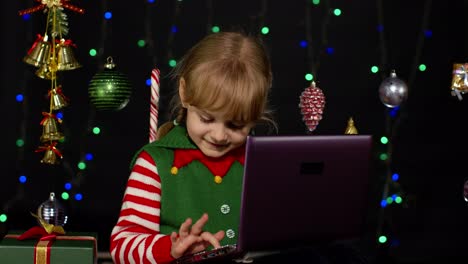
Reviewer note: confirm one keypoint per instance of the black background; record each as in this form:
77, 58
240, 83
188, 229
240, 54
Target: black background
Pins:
429, 139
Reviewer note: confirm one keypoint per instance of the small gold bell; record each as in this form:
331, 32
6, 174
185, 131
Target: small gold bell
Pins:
39, 53
58, 100
65, 57
50, 131
50, 157
44, 72
350, 128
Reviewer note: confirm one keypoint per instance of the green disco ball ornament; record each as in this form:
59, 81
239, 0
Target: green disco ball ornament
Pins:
109, 90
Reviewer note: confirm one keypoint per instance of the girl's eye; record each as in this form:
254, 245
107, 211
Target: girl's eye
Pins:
205, 119
235, 126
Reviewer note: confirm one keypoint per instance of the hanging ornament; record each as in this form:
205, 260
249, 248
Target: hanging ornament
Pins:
39, 53
312, 104
49, 128
350, 128
459, 80
393, 91
50, 154
52, 211
109, 90
58, 99
65, 56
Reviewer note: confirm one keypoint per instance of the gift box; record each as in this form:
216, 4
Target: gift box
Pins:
71, 248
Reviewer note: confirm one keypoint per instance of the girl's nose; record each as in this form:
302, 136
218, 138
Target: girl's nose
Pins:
219, 134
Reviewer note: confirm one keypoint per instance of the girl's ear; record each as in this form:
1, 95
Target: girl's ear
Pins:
182, 92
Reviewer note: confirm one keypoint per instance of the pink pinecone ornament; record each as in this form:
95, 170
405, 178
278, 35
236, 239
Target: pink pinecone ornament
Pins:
312, 103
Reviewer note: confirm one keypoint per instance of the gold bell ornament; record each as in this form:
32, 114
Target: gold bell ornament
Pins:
44, 72
459, 80
49, 130
50, 154
350, 128
58, 99
39, 53
65, 56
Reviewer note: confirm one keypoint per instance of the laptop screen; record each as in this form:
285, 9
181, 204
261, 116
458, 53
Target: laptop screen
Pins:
301, 190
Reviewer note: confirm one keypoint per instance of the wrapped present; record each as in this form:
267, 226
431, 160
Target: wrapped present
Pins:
72, 248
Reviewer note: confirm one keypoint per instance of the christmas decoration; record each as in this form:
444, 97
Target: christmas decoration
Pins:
52, 212
58, 100
37, 246
47, 4
312, 104
52, 53
50, 131
465, 191
51, 153
110, 89
459, 80
154, 105
393, 91
350, 128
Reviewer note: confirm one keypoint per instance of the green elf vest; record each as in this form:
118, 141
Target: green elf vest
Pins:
192, 191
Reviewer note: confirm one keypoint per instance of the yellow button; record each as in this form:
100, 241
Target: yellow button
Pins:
174, 170
218, 179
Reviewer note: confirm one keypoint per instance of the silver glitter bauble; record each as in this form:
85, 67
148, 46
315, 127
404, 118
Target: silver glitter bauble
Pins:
393, 91
52, 211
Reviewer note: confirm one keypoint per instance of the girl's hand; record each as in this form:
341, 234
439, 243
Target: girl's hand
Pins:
192, 238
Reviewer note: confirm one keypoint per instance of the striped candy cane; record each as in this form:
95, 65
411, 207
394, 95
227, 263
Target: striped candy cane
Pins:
154, 104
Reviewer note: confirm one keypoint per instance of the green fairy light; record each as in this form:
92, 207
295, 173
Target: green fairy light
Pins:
384, 140
215, 29
19, 142
3, 218
81, 165
92, 52
382, 239
65, 196
141, 43
383, 156
172, 63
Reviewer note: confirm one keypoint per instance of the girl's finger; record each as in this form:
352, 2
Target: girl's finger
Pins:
210, 238
185, 227
173, 237
197, 228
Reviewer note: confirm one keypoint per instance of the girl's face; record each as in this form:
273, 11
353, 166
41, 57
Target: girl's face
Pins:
213, 134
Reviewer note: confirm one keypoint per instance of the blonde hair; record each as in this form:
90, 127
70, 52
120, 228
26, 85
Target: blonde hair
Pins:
226, 70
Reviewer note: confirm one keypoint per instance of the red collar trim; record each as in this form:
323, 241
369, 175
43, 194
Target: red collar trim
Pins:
217, 166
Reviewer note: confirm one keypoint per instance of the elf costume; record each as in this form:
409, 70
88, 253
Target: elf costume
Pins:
172, 180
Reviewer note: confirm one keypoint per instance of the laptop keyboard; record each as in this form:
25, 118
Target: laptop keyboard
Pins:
206, 255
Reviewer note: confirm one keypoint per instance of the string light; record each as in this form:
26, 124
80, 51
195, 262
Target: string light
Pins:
392, 177
22, 179
3, 218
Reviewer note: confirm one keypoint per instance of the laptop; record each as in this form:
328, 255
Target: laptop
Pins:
298, 190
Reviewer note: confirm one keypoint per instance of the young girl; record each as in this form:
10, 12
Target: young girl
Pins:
183, 194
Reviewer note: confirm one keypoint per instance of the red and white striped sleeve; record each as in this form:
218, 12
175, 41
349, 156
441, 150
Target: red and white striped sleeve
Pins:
136, 238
